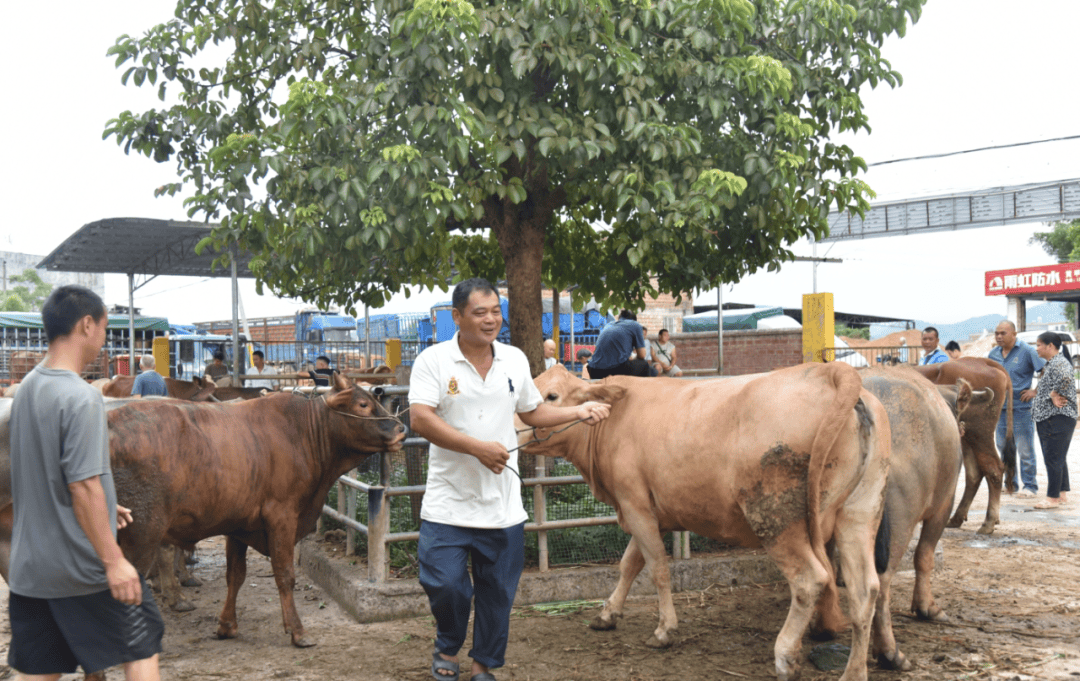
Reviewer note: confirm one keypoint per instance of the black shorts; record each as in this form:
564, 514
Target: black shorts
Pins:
95, 632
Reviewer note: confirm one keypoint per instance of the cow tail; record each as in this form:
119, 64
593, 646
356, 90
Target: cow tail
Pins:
882, 542
1008, 455
848, 386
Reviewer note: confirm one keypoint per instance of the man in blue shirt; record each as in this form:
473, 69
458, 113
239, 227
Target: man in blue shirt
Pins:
932, 354
618, 341
1021, 361
149, 382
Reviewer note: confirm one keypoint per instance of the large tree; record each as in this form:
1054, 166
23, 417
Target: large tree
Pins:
357, 147
28, 293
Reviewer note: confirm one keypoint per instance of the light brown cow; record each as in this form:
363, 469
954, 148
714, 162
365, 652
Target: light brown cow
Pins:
924, 465
785, 460
980, 450
195, 391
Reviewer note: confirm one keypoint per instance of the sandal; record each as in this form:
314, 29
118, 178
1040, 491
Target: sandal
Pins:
482, 676
439, 664
1047, 504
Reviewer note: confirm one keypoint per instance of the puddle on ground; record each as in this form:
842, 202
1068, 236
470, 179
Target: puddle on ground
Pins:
993, 542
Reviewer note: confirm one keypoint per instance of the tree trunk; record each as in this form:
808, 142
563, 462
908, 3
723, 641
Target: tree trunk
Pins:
555, 320
522, 246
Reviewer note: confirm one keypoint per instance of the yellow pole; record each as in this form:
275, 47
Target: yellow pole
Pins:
160, 350
818, 327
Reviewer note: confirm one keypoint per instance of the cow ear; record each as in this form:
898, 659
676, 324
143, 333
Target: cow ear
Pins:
340, 399
963, 395
340, 382
600, 392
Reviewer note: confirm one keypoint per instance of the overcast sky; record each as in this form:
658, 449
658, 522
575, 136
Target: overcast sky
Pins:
976, 73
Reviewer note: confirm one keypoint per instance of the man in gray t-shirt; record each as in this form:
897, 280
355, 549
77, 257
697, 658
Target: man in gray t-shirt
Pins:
56, 411
75, 600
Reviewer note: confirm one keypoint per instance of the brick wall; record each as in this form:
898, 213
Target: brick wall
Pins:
745, 352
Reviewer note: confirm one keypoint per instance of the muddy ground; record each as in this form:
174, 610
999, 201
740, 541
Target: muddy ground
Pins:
1014, 599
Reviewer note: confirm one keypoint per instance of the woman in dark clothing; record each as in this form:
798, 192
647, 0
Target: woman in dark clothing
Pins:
1054, 411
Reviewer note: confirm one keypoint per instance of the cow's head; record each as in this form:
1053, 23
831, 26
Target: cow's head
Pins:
967, 403
560, 388
360, 421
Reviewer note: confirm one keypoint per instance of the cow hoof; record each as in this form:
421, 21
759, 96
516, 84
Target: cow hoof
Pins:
655, 642
934, 614
182, 606
600, 624
955, 522
987, 528
302, 642
897, 661
226, 631
787, 670
191, 581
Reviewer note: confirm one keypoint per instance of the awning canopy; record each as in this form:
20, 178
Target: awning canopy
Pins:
141, 246
149, 248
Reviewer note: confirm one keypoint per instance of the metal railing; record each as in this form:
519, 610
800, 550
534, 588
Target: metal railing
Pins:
898, 355
346, 356
22, 349
378, 532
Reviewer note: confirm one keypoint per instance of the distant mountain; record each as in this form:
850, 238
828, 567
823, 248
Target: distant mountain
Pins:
1047, 313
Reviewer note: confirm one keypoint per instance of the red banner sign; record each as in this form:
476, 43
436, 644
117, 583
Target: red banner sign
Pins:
1044, 279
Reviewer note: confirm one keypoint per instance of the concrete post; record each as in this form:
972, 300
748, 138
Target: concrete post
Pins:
378, 528
1017, 312
540, 512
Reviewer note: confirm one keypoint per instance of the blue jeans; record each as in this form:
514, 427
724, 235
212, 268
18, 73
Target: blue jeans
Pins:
498, 557
1024, 435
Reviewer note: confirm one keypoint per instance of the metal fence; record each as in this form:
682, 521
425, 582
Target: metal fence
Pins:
345, 356
569, 525
22, 349
877, 356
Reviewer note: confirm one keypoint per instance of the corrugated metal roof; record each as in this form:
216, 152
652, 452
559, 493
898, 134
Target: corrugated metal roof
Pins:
141, 246
32, 320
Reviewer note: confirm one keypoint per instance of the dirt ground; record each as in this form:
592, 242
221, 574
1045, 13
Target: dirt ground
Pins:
1014, 600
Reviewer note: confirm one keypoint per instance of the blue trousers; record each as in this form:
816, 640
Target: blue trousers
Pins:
1024, 434
498, 557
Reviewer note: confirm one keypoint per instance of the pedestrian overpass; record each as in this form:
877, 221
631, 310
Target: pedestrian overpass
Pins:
1057, 201
1042, 202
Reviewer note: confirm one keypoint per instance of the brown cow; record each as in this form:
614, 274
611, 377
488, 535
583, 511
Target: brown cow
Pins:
980, 450
264, 490
923, 468
785, 460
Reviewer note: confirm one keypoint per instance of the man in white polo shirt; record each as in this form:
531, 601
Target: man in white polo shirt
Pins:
463, 396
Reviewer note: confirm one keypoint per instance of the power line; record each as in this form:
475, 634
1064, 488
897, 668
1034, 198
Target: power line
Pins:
972, 151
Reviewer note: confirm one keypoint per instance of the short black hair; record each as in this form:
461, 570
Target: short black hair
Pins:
66, 306
464, 289
952, 345
662, 332
929, 329
584, 353
627, 314
258, 353
323, 358
219, 355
